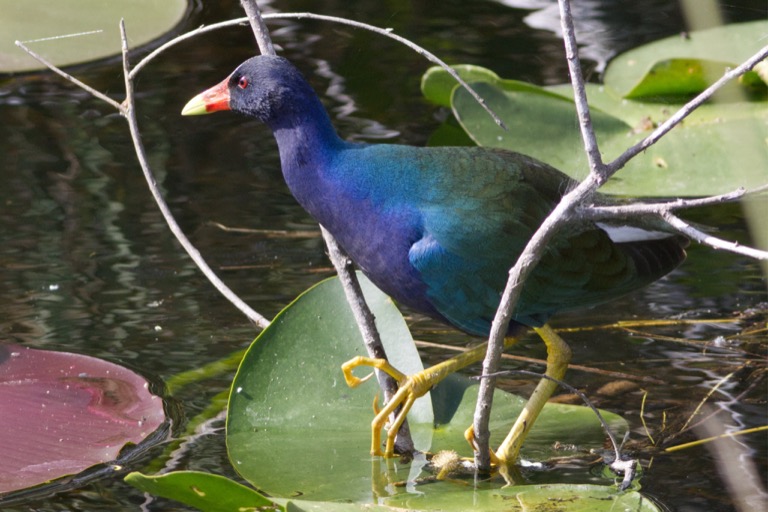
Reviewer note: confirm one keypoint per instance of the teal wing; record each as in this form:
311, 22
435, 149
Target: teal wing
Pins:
472, 239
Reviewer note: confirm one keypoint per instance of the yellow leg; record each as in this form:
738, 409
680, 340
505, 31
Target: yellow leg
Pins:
558, 357
410, 388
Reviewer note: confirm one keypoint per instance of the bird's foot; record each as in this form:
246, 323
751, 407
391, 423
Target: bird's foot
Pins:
417, 385
409, 389
469, 435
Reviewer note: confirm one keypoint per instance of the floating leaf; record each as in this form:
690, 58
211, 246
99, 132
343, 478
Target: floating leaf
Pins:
31, 20
555, 497
294, 429
540, 124
730, 43
700, 157
720, 147
680, 78
290, 409
203, 491
437, 84
213, 493
63, 413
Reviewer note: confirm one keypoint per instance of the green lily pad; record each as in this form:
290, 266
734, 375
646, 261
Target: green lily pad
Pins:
437, 84
730, 43
675, 78
718, 148
295, 429
293, 425
540, 124
212, 493
203, 491
573, 498
40, 24
698, 158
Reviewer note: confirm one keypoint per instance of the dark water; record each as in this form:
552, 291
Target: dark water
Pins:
87, 264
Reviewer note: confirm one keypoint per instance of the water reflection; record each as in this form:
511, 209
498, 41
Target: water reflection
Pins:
88, 265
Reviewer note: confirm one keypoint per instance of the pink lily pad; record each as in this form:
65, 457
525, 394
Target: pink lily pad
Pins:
61, 413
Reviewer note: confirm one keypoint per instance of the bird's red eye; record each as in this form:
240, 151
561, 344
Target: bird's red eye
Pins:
242, 83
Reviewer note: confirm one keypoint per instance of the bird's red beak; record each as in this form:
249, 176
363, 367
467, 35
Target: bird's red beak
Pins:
214, 99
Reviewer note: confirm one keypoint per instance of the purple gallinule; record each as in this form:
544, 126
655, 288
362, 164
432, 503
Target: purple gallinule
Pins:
438, 228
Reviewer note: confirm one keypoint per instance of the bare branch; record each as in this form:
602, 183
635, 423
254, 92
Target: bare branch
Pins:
712, 241
180, 39
390, 34
664, 211
524, 266
634, 209
580, 91
367, 325
127, 110
129, 113
534, 250
258, 26
70, 78
333, 19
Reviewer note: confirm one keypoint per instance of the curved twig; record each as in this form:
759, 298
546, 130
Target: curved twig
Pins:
334, 19
128, 111
70, 78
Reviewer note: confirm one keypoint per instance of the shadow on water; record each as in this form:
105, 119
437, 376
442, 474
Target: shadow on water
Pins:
89, 266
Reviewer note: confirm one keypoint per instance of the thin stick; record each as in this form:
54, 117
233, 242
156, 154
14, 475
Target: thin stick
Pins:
580, 91
418, 49
333, 19
70, 78
126, 109
710, 439
371, 337
180, 39
598, 212
664, 210
578, 367
524, 266
642, 419
704, 400
129, 113
712, 241
258, 26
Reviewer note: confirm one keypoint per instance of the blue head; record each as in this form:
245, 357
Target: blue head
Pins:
268, 88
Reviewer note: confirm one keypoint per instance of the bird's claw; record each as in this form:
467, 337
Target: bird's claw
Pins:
469, 435
380, 364
353, 380
410, 388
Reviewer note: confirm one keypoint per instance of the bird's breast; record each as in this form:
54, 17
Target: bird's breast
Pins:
377, 235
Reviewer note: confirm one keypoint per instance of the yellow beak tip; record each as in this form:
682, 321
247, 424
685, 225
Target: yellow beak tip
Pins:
195, 107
